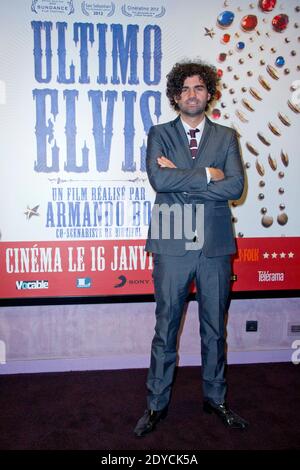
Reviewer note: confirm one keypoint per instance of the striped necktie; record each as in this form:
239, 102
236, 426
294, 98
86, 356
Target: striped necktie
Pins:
193, 142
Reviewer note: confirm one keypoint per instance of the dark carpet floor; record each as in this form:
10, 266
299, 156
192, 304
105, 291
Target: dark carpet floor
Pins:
98, 410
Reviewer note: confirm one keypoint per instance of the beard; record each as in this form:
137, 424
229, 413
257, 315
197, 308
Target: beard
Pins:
192, 111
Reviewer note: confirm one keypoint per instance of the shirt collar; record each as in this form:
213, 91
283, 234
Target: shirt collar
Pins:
187, 127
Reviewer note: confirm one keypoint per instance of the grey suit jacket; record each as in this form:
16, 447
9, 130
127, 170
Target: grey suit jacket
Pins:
186, 186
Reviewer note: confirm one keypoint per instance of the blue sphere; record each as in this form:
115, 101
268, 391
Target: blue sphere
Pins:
280, 61
225, 18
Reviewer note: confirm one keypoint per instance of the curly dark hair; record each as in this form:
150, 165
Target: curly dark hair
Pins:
182, 70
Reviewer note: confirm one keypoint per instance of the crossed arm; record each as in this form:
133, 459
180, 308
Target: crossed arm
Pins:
215, 173
164, 176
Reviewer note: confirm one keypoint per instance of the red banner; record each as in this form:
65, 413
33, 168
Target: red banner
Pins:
87, 268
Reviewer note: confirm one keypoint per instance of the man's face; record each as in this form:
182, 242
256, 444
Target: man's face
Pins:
194, 96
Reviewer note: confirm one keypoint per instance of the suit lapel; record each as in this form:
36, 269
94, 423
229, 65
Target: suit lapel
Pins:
204, 138
183, 142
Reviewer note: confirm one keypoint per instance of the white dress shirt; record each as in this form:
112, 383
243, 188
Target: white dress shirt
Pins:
197, 137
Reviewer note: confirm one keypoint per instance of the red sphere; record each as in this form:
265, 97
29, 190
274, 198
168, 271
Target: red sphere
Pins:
280, 22
226, 38
267, 5
249, 22
216, 113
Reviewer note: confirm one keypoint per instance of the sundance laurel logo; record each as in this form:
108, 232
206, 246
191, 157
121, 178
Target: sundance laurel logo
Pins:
52, 6
29, 285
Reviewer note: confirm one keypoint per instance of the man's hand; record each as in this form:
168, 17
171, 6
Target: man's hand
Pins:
216, 174
164, 162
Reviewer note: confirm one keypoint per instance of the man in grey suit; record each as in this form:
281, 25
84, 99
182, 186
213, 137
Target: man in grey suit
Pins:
195, 167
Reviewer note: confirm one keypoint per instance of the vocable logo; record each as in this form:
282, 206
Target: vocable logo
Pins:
27, 285
123, 281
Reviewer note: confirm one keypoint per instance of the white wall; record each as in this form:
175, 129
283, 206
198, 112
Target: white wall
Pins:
113, 336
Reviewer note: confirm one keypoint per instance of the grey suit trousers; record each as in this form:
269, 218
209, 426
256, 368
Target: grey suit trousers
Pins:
172, 277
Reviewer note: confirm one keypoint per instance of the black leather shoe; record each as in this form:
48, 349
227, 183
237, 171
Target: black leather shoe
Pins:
229, 418
148, 421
